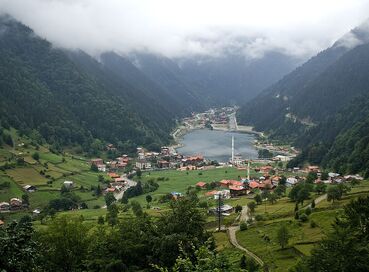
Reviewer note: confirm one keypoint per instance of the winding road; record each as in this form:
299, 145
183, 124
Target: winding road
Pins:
245, 215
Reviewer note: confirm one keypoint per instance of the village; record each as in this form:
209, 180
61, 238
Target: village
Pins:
122, 173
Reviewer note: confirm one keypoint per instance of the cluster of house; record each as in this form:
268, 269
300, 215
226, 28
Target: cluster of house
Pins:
13, 204
118, 164
117, 184
215, 116
167, 158
16, 203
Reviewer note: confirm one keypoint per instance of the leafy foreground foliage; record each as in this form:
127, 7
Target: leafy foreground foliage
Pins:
177, 239
346, 248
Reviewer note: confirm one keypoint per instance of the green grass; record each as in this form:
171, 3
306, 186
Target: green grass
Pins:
85, 179
223, 245
270, 252
179, 181
4, 155
13, 191
303, 236
40, 199
26, 175
50, 157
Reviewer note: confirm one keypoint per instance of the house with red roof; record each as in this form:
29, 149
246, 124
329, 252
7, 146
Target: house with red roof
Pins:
237, 191
201, 184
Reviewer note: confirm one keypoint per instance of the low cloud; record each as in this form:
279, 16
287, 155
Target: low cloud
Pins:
185, 28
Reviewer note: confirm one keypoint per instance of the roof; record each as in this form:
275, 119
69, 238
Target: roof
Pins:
201, 184
113, 175
110, 189
118, 179
214, 192
236, 188
236, 183
253, 184
1, 222
4, 203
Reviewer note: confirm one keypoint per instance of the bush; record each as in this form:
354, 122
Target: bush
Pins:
243, 226
308, 211
304, 217
238, 208
259, 217
97, 207
312, 224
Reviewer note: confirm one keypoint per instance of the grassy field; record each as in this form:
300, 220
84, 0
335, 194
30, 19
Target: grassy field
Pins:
14, 189
303, 235
47, 174
224, 246
179, 181
26, 175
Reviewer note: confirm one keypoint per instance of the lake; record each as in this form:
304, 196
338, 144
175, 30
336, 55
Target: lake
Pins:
217, 145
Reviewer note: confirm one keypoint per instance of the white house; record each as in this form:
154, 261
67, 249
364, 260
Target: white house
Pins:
4, 206
143, 164
101, 167
68, 184
291, 181
29, 188
282, 158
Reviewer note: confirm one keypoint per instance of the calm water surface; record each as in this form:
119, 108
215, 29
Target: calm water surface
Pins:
217, 145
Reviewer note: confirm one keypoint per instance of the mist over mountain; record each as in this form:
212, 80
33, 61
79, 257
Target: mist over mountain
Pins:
321, 103
69, 98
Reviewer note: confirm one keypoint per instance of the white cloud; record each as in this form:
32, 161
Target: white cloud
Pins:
177, 28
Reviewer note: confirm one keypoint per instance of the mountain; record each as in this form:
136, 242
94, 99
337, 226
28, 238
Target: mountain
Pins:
179, 103
234, 78
214, 81
166, 74
319, 104
69, 98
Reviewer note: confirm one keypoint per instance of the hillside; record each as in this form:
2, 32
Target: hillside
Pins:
321, 107
42, 89
233, 77
157, 86
215, 80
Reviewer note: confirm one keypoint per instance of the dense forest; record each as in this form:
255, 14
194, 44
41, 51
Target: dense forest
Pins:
44, 91
321, 107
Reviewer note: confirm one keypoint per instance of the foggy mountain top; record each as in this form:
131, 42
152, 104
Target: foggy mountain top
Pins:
176, 28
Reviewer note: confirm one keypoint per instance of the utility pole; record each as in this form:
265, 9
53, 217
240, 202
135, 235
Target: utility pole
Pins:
219, 212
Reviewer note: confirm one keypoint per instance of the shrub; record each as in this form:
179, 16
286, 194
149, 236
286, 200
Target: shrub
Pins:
243, 226
312, 224
259, 217
304, 217
308, 211
238, 208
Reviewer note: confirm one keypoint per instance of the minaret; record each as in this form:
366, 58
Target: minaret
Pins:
232, 149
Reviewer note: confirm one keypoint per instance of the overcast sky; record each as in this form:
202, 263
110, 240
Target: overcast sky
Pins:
190, 27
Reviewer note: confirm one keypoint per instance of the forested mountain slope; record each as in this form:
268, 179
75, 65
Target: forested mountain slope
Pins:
322, 107
178, 103
215, 80
42, 89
